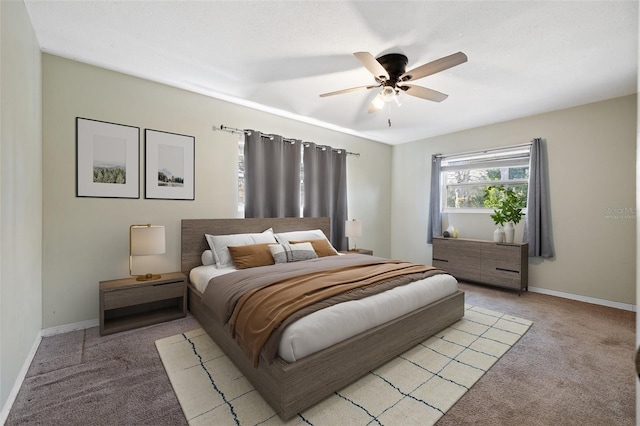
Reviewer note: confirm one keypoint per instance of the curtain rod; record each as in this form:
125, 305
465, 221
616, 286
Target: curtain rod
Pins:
227, 129
248, 133
483, 151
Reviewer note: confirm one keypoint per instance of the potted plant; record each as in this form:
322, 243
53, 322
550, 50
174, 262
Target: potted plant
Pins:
507, 206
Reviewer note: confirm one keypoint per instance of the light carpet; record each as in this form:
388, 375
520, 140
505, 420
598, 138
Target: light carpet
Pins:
416, 387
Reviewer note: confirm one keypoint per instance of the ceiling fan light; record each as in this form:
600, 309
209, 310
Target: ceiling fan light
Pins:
388, 94
378, 102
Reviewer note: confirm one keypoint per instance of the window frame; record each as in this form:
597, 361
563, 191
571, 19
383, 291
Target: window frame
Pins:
240, 176
511, 156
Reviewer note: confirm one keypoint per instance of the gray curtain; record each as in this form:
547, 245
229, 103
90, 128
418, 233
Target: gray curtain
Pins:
325, 188
537, 226
434, 227
271, 175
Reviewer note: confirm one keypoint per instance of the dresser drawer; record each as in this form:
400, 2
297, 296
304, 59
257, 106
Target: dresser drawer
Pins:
462, 259
120, 298
455, 250
501, 277
502, 256
461, 270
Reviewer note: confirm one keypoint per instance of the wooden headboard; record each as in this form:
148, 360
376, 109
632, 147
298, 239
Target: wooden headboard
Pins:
193, 241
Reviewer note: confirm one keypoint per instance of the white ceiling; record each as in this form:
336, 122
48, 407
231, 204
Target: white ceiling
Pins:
525, 57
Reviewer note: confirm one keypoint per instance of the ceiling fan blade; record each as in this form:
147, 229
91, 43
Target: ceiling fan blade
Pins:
353, 89
372, 65
423, 93
434, 67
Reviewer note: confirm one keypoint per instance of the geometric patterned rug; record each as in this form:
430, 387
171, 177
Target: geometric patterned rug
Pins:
416, 387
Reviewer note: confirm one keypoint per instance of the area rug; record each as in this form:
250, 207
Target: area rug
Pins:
416, 387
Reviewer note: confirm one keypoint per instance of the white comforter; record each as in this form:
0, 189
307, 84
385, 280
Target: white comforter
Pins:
336, 323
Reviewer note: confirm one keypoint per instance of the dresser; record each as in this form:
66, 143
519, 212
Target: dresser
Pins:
486, 262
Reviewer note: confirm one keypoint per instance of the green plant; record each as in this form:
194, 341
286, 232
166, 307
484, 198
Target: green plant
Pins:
506, 202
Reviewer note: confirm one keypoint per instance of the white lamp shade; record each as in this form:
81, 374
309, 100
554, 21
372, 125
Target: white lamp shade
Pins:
353, 228
147, 240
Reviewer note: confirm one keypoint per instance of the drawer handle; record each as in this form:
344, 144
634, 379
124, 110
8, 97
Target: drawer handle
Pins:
441, 260
166, 283
507, 270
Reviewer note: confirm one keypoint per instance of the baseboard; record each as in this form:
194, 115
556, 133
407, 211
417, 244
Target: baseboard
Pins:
18, 383
587, 299
52, 331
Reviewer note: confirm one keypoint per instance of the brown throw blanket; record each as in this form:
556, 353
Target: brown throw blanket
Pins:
259, 302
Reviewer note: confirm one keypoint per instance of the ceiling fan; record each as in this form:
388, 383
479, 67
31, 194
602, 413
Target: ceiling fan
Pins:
389, 73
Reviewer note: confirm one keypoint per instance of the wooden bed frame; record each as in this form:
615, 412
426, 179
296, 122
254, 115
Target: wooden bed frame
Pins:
292, 387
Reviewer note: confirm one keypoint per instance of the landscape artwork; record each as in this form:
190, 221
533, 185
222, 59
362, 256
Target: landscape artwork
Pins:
171, 166
109, 160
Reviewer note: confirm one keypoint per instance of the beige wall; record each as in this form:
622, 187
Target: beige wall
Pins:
20, 195
86, 239
592, 169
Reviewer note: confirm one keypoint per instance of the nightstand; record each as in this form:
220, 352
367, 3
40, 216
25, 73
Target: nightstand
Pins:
127, 303
358, 251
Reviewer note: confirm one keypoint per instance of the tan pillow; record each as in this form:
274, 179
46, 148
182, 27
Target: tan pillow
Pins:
251, 255
321, 246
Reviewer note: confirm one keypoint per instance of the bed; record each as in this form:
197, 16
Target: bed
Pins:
290, 387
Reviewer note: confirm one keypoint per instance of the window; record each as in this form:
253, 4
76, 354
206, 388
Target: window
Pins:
466, 176
241, 176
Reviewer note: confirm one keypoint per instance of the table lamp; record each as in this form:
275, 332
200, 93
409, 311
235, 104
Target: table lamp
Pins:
353, 229
145, 240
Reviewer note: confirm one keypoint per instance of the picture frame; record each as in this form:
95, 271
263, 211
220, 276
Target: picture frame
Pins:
169, 166
107, 159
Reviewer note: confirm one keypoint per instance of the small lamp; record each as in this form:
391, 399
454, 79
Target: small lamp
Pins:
145, 240
353, 229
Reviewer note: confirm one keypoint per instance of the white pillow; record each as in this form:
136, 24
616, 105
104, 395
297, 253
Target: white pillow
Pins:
207, 258
314, 234
283, 253
219, 244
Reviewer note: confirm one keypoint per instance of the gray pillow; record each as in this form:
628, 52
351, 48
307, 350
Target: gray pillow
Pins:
283, 253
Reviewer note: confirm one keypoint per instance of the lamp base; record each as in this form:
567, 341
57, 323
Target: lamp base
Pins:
148, 277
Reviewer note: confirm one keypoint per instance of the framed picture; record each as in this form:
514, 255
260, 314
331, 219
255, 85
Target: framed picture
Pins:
169, 166
107, 159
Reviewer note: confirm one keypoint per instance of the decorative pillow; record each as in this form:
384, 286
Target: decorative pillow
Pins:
251, 255
219, 244
287, 237
286, 252
207, 258
322, 247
